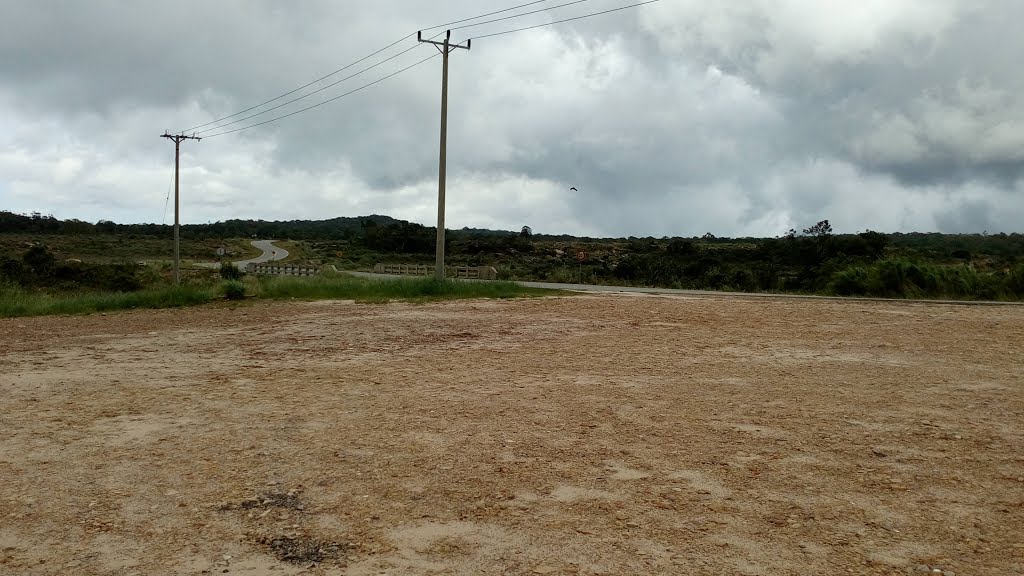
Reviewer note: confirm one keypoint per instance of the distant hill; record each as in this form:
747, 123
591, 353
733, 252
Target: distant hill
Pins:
334, 228
347, 228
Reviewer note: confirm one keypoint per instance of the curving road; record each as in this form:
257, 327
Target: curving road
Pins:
270, 253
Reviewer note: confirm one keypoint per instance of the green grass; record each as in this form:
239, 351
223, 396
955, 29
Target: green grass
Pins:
15, 301
345, 287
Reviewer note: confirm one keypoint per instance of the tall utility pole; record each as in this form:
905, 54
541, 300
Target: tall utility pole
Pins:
445, 48
177, 226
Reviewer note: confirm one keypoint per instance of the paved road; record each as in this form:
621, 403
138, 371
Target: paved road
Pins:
268, 253
673, 291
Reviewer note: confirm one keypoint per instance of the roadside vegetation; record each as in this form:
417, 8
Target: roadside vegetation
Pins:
34, 258
18, 301
343, 286
38, 285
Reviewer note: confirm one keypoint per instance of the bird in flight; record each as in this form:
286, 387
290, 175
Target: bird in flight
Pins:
573, 188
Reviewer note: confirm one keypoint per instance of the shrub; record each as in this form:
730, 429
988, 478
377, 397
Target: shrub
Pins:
40, 260
229, 271
1015, 281
850, 282
14, 271
744, 280
891, 277
234, 290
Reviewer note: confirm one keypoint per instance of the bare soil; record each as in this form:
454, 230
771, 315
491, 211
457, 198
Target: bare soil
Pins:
570, 435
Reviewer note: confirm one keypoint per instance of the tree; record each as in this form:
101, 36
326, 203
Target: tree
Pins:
526, 232
823, 240
106, 227
819, 230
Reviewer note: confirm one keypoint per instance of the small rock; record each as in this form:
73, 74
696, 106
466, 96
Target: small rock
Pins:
878, 452
226, 557
948, 573
923, 569
544, 569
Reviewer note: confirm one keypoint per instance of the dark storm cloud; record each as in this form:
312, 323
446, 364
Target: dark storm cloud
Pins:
678, 118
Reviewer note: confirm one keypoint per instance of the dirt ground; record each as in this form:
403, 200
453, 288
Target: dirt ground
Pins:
568, 435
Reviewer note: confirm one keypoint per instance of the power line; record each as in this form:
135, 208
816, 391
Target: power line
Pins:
417, 63
378, 81
569, 19
289, 93
484, 16
519, 15
346, 67
318, 90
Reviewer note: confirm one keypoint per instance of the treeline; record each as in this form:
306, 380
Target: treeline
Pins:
388, 234
812, 261
864, 264
375, 232
333, 229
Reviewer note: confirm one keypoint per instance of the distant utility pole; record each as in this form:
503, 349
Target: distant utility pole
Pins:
445, 48
177, 150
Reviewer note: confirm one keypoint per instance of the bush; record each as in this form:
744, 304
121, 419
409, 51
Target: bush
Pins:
234, 290
850, 282
40, 260
14, 271
744, 280
229, 271
1015, 281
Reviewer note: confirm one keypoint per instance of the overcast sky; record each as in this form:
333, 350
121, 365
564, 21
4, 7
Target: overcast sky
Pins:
677, 118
